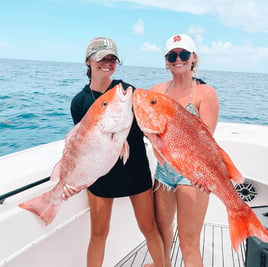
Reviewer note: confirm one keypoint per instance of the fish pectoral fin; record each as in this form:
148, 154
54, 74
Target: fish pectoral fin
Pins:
159, 147
159, 157
125, 152
235, 175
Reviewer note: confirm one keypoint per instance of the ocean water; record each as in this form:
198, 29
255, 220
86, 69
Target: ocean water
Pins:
35, 97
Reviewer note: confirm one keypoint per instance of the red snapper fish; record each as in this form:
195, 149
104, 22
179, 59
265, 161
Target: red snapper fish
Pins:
185, 143
92, 147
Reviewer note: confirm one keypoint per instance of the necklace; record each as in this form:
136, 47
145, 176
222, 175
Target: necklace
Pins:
92, 94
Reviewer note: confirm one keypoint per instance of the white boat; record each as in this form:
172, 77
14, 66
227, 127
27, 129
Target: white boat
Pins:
25, 241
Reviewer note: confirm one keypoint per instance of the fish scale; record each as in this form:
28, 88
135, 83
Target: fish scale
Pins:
185, 143
92, 147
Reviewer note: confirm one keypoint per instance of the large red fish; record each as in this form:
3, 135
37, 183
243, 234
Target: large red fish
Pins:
182, 140
92, 148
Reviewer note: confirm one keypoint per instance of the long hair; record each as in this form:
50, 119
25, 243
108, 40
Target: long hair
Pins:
194, 67
89, 72
88, 69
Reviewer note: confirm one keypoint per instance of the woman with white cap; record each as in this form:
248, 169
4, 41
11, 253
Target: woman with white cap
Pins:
173, 192
133, 179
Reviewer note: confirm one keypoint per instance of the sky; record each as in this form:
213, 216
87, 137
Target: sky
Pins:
230, 35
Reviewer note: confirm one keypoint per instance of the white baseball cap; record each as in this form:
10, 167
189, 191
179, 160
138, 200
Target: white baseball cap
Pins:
180, 41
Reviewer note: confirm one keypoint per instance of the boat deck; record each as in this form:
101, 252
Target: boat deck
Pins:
216, 250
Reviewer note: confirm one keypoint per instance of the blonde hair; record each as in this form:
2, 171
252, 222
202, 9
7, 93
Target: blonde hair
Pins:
195, 66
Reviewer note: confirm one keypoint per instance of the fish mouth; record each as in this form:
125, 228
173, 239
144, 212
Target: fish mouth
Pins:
124, 95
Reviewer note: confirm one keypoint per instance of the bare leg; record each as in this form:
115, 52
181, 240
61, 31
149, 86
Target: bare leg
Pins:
165, 205
144, 211
191, 210
100, 215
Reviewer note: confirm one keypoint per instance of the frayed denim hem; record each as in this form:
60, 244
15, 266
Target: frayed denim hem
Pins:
165, 186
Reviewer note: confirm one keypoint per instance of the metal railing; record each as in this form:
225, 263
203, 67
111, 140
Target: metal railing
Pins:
3, 197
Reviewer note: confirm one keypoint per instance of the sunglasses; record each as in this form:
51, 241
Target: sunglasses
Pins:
172, 56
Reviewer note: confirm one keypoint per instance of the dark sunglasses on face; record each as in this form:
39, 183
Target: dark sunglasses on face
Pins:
172, 56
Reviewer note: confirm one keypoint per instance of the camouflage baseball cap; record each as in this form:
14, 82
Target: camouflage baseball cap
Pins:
100, 47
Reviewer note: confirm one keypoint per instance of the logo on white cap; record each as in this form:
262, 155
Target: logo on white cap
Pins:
180, 41
176, 38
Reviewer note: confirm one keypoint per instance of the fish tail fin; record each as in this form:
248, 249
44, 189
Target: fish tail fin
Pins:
235, 175
42, 207
243, 225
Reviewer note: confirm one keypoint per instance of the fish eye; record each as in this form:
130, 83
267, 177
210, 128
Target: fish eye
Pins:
153, 101
104, 103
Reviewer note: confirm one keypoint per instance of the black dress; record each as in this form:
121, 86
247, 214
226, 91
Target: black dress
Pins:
123, 180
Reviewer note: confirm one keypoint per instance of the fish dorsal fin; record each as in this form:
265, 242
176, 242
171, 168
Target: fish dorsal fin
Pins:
235, 175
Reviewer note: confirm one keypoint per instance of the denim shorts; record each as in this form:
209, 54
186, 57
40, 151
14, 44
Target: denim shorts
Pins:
168, 176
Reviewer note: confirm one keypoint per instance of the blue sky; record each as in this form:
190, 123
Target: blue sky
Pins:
230, 35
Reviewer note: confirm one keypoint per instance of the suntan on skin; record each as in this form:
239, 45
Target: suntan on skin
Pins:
188, 201
132, 179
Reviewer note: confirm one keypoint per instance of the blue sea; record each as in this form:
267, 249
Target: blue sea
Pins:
35, 97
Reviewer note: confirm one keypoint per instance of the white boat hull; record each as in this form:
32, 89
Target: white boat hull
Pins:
26, 241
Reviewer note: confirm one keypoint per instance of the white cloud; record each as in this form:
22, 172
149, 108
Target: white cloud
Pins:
227, 55
251, 15
196, 30
197, 33
248, 14
147, 47
138, 28
233, 57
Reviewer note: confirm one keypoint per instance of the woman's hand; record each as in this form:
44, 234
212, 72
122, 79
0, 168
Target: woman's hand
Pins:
69, 190
200, 186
